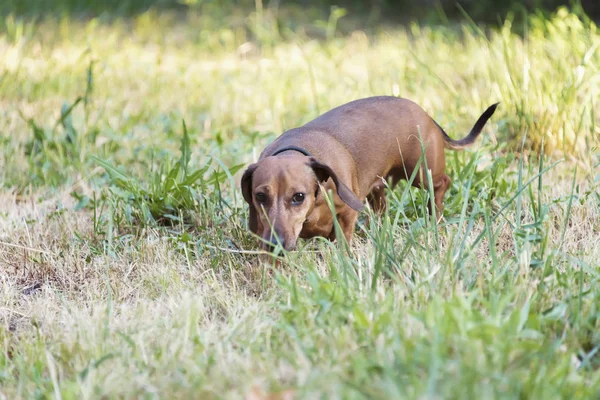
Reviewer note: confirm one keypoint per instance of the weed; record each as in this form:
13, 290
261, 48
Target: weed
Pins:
168, 196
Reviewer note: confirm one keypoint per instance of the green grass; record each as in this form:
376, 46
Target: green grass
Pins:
127, 268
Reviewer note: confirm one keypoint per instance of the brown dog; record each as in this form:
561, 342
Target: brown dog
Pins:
351, 150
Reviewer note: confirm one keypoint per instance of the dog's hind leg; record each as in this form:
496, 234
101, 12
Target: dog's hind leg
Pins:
439, 190
377, 200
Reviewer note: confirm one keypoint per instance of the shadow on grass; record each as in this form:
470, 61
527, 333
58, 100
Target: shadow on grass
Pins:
371, 11
83, 8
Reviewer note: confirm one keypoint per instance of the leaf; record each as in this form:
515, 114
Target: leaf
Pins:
193, 177
360, 318
185, 150
523, 315
172, 217
236, 168
82, 201
95, 364
65, 112
67, 123
171, 179
112, 171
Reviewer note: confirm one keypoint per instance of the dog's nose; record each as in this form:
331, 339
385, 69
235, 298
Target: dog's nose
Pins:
272, 240
275, 240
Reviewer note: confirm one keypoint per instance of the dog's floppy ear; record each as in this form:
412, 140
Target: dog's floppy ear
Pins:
246, 185
324, 172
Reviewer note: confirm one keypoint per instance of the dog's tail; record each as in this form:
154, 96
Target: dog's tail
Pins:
450, 143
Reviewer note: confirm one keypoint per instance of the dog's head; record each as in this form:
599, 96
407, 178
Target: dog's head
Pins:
281, 192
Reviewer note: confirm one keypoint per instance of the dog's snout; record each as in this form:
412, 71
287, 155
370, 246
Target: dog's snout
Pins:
273, 239
277, 240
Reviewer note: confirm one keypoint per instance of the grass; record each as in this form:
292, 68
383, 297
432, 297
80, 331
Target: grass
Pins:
127, 269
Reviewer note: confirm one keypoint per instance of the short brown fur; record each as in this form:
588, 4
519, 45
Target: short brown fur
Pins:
352, 150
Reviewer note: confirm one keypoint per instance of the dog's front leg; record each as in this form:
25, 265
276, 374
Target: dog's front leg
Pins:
347, 221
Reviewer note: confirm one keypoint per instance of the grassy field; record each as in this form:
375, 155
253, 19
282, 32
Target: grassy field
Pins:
126, 270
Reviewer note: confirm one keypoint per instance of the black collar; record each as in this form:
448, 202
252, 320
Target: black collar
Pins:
294, 148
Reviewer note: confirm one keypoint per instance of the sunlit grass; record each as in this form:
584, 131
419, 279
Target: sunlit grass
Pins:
127, 269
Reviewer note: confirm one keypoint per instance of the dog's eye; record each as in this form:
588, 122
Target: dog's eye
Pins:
298, 198
261, 197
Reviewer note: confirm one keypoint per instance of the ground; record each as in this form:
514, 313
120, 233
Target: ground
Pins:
127, 269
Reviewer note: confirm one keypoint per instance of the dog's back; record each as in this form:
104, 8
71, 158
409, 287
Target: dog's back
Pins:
380, 133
